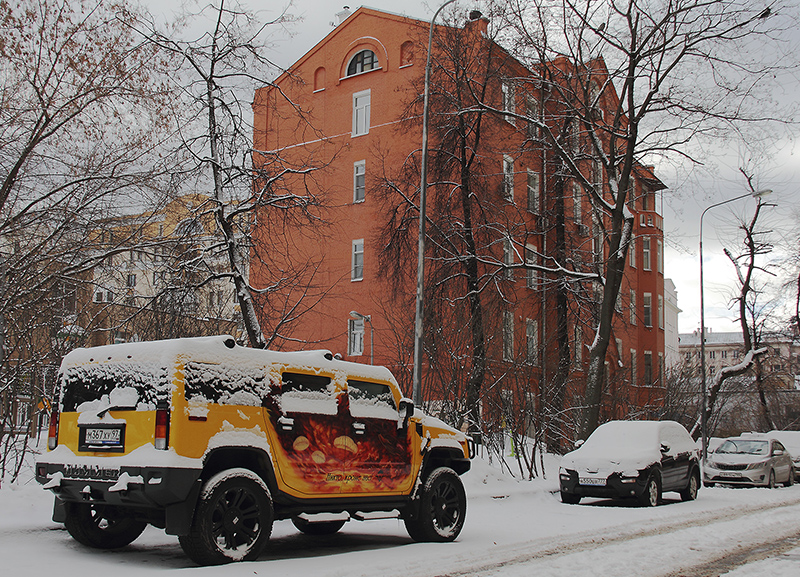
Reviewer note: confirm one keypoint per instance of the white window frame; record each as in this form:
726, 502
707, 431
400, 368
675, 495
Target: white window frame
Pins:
509, 101
533, 192
659, 256
508, 336
633, 307
531, 258
533, 112
632, 252
577, 356
634, 375
660, 312
361, 112
646, 264
357, 260
508, 258
532, 336
508, 178
577, 197
359, 188
647, 309
355, 337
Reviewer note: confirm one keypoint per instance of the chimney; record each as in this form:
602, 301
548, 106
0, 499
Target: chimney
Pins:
477, 23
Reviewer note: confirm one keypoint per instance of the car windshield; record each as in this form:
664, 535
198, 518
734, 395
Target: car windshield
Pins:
744, 447
621, 437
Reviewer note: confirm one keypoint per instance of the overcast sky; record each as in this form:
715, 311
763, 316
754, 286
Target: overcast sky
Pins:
777, 167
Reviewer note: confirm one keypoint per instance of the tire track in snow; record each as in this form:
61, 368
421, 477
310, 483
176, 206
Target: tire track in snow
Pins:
534, 552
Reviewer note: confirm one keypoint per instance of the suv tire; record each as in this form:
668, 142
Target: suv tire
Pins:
101, 526
232, 521
442, 508
569, 498
317, 527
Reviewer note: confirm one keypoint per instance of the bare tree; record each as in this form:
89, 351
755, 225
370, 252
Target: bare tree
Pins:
213, 73
651, 53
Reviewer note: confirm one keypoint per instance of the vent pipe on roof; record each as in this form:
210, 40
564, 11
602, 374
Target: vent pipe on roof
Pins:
342, 16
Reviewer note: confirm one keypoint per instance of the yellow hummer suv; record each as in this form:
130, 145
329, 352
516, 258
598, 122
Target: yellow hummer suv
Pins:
213, 442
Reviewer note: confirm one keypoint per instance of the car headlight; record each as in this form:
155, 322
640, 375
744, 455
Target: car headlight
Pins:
759, 465
712, 465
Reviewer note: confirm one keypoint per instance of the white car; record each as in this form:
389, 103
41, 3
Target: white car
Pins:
751, 460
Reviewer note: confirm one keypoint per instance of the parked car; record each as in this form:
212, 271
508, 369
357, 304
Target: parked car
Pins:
752, 460
632, 459
790, 440
213, 442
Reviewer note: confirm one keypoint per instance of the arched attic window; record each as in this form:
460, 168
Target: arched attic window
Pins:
362, 62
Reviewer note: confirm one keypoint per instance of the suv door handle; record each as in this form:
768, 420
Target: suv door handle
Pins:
286, 423
360, 428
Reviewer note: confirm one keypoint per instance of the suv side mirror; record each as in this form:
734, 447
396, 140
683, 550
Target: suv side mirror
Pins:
579, 442
665, 447
777, 452
404, 412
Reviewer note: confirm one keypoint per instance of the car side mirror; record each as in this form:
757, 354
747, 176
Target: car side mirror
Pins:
777, 452
404, 412
665, 447
579, 442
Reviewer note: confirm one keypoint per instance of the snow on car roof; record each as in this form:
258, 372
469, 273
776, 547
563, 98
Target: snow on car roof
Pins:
217, 349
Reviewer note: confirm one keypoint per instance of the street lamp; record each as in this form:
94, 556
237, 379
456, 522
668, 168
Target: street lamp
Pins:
703, 420
416, 380
366, 318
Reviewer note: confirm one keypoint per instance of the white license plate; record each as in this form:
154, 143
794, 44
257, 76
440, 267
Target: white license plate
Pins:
730, 474
103, 436
592, 481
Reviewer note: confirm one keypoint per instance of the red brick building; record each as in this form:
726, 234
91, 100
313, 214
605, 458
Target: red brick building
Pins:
350, 109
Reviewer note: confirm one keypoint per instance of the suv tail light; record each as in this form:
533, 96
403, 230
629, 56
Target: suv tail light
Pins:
52, 434
162, 428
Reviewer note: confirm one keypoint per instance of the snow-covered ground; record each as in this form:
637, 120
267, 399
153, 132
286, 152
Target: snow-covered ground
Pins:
513, 528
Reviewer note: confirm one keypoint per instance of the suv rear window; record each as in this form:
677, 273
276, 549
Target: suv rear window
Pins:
98, 387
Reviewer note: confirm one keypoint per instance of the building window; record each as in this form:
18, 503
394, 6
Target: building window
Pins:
359, 176
131, 280
712, 355
355, 337
508, 259
647, 309
358, 260
597, 241
533, 114
631, 193
634, 375
660, 256
619, 351
508, 178
509, 103
533, 191
648, 368
361, 113
508, 336
578, 353
660, 312
576, 202
531, 259
632, 252
572, 136
532, 336
362, 62
407, 53
724, 354
633, 307
597, 175
646, 253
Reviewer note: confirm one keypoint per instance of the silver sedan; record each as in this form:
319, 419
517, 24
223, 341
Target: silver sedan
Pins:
752, 461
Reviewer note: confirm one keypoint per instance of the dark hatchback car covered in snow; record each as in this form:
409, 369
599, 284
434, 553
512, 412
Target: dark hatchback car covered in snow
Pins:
632, 459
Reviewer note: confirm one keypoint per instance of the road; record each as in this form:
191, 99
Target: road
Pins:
513, 529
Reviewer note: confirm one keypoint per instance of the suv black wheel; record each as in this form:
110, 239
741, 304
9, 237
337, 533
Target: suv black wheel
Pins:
442, 508
101, 526
232, 521
652, 491
317, 527
690, 492
570, 498
790, 481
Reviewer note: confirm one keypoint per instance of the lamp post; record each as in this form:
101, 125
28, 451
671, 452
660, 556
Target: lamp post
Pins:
416, 380
368, 319
703, 420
